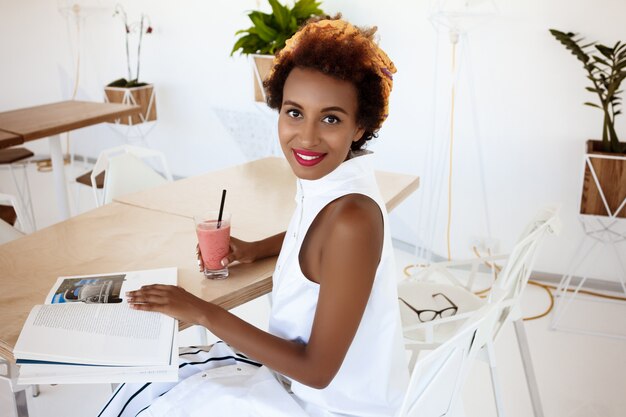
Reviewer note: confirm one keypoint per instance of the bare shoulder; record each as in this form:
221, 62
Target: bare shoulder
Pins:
355, 209
355, 219
348, 230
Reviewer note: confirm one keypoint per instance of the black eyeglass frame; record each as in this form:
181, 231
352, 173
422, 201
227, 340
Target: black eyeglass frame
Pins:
439, 313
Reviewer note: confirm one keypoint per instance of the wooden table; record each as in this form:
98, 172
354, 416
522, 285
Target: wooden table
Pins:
49, 120
266, 186
122, 236
113, 238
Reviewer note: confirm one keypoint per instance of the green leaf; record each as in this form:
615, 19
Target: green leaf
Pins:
605, 50
594, 90
592, 105
567, 39
249, 30
281, 14
293, 25
303, 9
121, 82
601, 61
238, 45
248, 44
265, 32
280, 42
596, 70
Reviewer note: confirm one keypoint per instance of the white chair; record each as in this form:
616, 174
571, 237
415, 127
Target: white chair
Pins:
436, 382
459, 281
122, 170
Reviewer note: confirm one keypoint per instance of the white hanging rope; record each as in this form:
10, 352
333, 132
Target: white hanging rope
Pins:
76, 10
46, 164
436, 165
439, 164
477, 133
454, 37
424, 244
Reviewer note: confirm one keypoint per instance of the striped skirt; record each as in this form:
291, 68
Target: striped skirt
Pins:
212, 381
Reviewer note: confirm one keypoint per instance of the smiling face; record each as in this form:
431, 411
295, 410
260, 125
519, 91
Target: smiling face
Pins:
317, 122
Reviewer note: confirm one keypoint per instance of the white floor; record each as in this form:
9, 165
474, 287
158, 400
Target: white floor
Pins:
578, 375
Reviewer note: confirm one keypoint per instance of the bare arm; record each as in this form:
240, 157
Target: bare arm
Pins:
349, 257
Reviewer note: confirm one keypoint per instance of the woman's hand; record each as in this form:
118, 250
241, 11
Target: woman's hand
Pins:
240, 251
168, 299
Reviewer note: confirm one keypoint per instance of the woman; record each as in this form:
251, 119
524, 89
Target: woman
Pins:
334, 334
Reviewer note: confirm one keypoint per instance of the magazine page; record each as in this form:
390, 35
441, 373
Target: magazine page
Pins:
106, 288
59, 374
102, 334
48, 373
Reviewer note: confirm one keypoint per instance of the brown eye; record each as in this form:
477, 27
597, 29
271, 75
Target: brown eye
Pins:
293, 113
331, 120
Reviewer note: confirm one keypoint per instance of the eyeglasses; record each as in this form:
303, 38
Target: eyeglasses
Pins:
429, 315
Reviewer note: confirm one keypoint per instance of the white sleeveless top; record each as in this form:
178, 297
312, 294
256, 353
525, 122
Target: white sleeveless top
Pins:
374, 375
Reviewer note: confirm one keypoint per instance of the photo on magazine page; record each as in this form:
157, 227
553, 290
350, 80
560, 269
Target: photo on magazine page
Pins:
104, 289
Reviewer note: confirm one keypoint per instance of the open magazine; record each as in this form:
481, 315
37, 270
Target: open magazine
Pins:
86, 332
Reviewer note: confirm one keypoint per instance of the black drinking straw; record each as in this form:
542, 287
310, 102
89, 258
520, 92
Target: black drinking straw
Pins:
219, 216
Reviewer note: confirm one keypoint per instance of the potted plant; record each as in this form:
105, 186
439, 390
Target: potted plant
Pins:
604, 185
130, 90
268, 34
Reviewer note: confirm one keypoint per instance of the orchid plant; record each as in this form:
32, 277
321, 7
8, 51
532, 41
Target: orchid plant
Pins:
143, 26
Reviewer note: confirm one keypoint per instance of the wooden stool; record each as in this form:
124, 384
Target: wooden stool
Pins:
8, 214
9, 157
85, 179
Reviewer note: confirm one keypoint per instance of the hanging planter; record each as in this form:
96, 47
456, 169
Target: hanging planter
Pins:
604, 184
130, 90
261, 67
142, 96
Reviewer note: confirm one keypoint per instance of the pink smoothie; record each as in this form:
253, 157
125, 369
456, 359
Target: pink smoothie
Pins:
213, 242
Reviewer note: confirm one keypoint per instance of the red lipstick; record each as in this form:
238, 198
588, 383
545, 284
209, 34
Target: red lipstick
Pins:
308, 158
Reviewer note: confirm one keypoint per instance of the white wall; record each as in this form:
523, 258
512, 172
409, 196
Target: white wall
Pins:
528, 98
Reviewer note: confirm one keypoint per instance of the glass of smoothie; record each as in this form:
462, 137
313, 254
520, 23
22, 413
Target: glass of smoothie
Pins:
214, 240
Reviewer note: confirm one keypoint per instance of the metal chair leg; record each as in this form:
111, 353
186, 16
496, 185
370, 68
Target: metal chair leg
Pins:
7, 373
202, 335
20, 403
531, 380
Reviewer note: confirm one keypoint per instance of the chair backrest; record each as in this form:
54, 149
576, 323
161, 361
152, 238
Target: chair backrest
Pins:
513, 278
438, 377
128, 174
7, 231
132, 173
